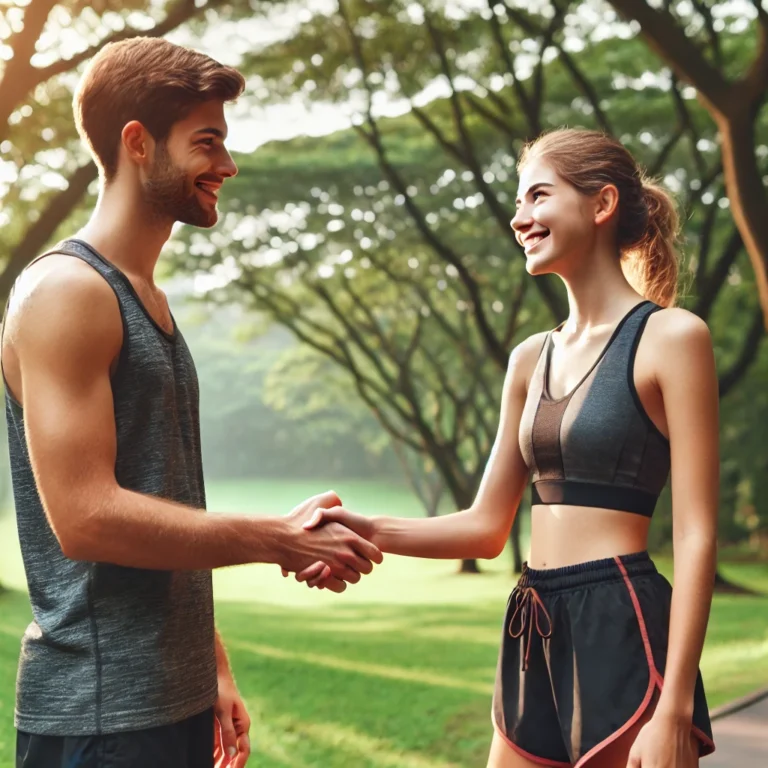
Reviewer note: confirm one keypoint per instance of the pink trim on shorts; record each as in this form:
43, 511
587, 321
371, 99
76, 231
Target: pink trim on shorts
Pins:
523, 753
655, 681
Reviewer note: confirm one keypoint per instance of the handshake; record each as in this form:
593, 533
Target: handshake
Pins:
330, 547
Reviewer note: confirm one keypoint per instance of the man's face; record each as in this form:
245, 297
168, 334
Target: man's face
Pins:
189, 167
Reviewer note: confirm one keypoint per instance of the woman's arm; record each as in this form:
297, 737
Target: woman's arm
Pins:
690, 391
483, 529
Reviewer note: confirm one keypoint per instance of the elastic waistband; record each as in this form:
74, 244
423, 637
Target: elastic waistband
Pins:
592, 572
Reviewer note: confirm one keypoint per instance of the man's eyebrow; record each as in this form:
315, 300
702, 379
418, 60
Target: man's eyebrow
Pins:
535, 187
213, 131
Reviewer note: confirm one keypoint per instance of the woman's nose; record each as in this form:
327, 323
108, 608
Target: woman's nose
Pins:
520, 220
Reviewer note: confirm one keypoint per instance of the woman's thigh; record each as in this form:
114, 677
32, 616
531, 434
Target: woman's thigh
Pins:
503, 756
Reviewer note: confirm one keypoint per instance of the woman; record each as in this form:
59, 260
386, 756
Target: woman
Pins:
599, 662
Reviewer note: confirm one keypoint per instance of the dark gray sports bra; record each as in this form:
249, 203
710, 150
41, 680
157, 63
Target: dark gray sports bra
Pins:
596, 447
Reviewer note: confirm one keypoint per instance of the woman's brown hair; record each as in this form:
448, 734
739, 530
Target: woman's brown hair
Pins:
150, 80
648, 222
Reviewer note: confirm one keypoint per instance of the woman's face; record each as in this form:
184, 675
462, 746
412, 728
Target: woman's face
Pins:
554, 222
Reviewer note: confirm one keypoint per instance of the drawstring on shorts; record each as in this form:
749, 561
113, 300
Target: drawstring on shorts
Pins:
529, 612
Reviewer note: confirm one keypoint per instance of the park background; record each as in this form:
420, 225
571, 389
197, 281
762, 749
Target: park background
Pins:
352, 313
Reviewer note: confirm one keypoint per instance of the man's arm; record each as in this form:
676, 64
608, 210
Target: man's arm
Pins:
67, 331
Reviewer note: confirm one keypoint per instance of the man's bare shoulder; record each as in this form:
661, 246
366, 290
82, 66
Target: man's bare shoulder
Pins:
63, 300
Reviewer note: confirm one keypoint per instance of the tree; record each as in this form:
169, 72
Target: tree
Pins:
400, 266
311, 390
263, 413
392, 265
692, 40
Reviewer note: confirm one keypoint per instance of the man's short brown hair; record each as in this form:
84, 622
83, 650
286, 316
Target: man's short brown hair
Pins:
150, 80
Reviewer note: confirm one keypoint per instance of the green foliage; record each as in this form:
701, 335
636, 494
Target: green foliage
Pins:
387, 248
245, 433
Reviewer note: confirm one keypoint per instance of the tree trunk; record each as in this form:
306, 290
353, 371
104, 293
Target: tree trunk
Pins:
723, 586
744, 185
514, 540
58, 208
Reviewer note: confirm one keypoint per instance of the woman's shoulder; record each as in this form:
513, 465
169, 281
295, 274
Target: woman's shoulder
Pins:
525, 356
675, 334
675, 325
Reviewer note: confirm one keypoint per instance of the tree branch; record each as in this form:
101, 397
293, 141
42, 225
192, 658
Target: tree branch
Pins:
501, 216
705, 240
546, 40
523, 98
21, 78
710, 286
756, 79
13, 85
584, 85
373, 137
747, 356
59, 206
714, 39
665, 37
497, 122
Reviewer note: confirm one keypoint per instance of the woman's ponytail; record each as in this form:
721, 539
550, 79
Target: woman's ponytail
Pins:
651, 263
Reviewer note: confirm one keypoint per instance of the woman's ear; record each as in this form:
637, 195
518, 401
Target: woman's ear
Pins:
606, 203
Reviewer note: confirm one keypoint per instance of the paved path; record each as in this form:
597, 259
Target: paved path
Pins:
741, 739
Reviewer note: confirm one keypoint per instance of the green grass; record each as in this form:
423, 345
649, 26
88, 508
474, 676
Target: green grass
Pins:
399, 670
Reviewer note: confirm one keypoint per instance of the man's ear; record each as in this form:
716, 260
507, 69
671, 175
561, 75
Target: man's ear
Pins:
606, 203
137, 143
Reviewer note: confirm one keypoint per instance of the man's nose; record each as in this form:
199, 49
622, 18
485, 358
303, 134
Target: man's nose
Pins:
227, 168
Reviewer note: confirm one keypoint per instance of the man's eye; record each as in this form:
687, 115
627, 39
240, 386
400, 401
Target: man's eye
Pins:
207, 142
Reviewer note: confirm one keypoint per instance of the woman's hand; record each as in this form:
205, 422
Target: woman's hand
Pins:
665, 741
319, 575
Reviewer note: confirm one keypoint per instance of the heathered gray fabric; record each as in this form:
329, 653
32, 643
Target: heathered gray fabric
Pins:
599, 432
114, 648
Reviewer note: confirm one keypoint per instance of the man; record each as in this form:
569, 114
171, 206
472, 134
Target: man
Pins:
122, 665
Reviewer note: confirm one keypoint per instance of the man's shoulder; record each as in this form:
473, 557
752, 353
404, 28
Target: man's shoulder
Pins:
62, 295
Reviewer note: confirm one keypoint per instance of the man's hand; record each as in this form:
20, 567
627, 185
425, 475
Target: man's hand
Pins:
318, 574
231, 745
343, 552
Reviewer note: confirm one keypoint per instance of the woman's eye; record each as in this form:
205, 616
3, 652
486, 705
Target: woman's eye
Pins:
537, 195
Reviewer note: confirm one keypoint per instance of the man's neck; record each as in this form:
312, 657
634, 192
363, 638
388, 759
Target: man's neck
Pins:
126, 234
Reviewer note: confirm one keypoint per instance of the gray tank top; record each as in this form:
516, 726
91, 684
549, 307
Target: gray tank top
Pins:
596, 446
114, 648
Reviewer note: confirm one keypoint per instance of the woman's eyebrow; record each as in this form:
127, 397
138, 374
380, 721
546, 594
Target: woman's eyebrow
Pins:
535, 187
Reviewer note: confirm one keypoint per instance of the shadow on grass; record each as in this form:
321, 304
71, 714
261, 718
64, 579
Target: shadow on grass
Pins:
388, 685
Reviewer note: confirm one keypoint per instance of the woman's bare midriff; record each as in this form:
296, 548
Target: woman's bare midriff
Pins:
565, 535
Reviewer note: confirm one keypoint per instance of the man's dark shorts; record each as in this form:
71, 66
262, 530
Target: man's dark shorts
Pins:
188, 744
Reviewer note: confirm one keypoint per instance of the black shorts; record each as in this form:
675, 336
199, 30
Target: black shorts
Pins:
582, 658
188, 744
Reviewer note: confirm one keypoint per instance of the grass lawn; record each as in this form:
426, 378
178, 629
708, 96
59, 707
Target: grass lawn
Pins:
398, 671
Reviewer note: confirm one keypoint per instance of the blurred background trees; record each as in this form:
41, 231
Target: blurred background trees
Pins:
353, 311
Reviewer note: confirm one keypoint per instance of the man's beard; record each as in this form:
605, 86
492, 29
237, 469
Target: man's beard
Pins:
168, 194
